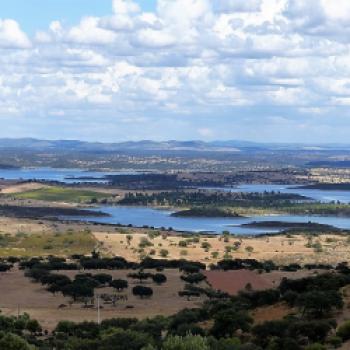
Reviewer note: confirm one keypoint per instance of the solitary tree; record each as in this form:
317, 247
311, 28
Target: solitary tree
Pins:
141, 276
119, 284
159, 278
142, 291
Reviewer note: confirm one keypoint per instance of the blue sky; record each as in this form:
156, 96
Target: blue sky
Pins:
38, 14
116, 70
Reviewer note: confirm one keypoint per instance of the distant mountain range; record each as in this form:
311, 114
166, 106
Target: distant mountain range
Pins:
172, 145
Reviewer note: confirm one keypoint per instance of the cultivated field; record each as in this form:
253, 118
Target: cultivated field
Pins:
234, 281
61, 194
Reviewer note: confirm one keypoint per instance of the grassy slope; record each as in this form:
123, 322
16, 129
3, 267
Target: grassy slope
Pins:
61, 194
62, 244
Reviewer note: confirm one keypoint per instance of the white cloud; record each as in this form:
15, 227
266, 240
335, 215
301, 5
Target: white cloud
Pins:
125, 7
11, 35
89, 32
189, 57
155, 38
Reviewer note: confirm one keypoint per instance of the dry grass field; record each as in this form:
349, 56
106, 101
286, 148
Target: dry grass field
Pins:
282, 249
23, 187
134, 243
19, 293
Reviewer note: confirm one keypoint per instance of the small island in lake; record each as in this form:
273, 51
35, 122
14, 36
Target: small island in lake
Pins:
206, 212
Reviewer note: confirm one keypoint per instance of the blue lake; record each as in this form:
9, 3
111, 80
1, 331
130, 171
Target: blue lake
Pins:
140, 216
61, 175
319, 195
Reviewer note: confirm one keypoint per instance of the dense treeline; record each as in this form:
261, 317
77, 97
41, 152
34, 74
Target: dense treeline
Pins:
95, 262
232, 204
158, 181
207, 198
206, 212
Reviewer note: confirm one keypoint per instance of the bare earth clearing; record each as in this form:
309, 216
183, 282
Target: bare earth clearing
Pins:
23, 187
234, 281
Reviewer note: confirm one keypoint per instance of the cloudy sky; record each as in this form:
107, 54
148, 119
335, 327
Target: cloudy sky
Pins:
115, 70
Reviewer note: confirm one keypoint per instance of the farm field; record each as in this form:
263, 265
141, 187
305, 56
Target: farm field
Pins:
61, 194
233, 281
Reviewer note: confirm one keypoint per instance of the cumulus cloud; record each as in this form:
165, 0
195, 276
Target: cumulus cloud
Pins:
89, 32
11, 35
188, 58
125, 7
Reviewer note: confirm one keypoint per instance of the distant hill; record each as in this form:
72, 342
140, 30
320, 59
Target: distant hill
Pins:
172, 145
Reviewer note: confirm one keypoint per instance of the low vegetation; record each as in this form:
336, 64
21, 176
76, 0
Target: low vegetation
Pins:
63, 194
64, 244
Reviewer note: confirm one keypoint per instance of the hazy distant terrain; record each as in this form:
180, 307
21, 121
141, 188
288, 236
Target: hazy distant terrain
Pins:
168, 155
171, 145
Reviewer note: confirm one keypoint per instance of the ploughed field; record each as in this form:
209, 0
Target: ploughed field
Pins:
233, 281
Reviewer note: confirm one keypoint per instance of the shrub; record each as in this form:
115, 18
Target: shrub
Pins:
206, 245
103, 278
119, 284
316, 346
194, 278
142, 291
144, 242
12, 341
183, 244
159, 278
189, 342
335, 341
344, 331
164, 253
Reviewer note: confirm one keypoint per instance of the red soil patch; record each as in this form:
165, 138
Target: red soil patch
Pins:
233, 281
271, 313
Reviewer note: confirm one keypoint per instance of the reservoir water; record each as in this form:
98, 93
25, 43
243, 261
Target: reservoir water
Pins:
61, 175
140, 216
319, 195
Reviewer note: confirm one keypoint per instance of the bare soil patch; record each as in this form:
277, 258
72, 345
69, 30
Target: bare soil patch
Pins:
233, 281
23, 187
236, 280
271, 313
